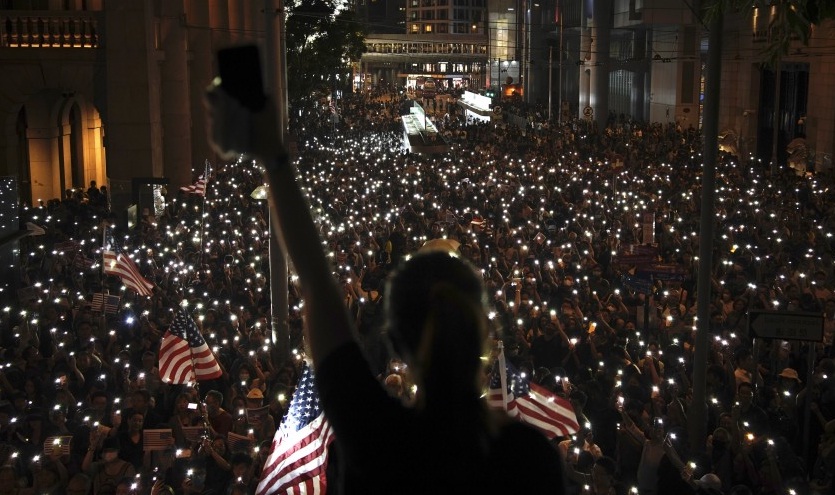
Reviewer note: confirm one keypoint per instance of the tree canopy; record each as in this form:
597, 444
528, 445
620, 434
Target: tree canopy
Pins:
793, 20
322, 43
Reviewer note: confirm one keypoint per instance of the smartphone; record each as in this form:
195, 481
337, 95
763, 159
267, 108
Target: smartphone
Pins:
192, 406
239, 68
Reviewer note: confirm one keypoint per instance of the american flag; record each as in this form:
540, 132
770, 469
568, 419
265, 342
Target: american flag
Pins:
198, 187
57, 444
64, 247
238, 443
183, 354
192, 433
156, 439
126, 269
81, 262
531, 403
105, 303
299, 453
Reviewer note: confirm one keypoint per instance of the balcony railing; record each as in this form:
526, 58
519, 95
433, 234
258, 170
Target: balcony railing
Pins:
49, 30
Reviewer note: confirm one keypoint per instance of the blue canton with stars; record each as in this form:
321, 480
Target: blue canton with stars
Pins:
183, 326
517, 385
304, 407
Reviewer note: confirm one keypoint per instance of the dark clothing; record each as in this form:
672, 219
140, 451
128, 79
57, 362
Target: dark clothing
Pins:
757, 420
443, 450
129, 451
548, 353
150, 419
222, 423
216, 477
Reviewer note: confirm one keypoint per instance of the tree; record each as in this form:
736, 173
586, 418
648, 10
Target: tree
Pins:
793, 20
321, 45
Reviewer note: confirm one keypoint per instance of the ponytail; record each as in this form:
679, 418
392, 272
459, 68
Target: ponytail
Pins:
452, 343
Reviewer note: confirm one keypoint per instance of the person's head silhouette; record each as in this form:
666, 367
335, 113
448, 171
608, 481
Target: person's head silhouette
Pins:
436, 320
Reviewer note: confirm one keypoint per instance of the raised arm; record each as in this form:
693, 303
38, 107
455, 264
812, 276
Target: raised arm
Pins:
234, 129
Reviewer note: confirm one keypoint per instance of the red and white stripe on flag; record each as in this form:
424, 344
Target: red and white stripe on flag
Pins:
198, 187
238, 443
298, 462
298, 457
55, 444
192, 433
126, 269
531, 403
549, 412
184, 356
159, 439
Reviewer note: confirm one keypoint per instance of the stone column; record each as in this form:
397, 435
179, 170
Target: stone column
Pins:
175, 99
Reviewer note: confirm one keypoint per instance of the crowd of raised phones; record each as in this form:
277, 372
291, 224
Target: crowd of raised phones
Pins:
587, 240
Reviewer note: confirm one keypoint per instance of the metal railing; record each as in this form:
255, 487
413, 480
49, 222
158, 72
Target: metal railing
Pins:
19, 29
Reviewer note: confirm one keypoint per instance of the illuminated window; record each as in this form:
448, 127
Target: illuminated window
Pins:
415, 28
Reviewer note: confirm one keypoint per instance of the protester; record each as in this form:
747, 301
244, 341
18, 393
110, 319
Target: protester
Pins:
434, 306
555, 211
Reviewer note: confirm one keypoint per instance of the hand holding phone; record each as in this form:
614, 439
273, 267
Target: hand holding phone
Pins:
239, 70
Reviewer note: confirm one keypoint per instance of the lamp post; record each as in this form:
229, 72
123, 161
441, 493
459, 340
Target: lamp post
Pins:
276, 84
559, 82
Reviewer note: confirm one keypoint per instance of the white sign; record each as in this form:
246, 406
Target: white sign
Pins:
786, 325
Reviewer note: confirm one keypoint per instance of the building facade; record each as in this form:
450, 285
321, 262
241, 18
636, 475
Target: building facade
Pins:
445, 40
111, 94
641, 59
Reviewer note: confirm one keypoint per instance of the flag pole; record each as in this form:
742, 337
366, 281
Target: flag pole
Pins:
503, 374
202, 215
204, 412
103, 247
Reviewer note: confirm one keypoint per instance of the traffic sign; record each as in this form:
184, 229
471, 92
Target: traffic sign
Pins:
786, 325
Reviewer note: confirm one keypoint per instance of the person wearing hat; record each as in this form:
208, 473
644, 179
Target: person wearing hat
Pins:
255, 396
788, 388
257, 420
791, 376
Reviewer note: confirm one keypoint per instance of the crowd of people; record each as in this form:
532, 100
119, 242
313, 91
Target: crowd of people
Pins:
587, 240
